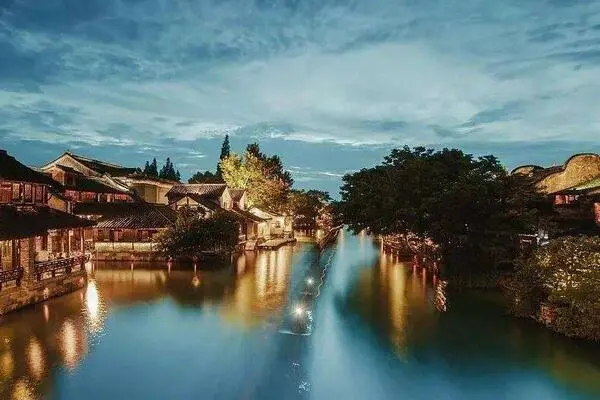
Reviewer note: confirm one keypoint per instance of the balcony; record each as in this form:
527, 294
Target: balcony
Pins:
11, 275
61, 266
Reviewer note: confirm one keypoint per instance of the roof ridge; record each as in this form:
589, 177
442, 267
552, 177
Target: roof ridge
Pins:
76, 156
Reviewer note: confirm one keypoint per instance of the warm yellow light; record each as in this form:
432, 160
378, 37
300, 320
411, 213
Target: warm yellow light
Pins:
36, 359
299, 311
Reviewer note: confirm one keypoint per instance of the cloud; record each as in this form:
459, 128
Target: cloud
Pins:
178, 75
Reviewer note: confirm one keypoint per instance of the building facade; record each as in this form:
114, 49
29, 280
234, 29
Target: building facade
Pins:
41, 247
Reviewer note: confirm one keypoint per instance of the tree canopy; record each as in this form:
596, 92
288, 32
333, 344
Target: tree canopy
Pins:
192, 234
468, 206
263, 177
168, 171
311, 209
205, 177
151, 168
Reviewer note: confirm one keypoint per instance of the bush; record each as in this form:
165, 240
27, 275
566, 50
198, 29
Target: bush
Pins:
192, 235
565, 273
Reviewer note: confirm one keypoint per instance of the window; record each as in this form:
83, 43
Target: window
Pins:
5, 193
6, 255
27, 193
39, 194
16, 192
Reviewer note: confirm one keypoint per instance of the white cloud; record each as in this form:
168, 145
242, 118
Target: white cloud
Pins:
155, 70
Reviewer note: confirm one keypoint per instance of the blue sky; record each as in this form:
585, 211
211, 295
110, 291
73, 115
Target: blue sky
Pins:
330, 85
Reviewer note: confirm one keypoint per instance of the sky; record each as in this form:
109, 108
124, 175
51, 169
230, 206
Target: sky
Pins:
329, 85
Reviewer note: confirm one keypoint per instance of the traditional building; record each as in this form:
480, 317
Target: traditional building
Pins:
41, 247
151, 189
125, 231
87, 180
280, 225
210, 198
574, 188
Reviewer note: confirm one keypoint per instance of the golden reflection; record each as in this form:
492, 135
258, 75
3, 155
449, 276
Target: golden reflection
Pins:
7, 364
397, 311
23, 391
36, 358
93, 307
262, 289
69, 345
46, 311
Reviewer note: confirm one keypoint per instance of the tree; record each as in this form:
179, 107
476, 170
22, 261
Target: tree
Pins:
151, 169
205, 177
192, 235
168, 171
311, 209
566, 275
225, 148
263, 177
470, 207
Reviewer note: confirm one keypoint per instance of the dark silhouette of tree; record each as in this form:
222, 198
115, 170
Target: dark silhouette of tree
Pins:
205, 177
151, 169
169, 172
470, 207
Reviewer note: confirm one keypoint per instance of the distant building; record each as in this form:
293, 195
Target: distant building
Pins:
87, 180
125, 231
573, 187
210, 198
41, 245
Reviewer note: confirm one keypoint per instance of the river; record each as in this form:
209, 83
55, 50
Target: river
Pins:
348, 324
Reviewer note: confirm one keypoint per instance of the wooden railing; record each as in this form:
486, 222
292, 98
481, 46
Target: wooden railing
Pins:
11, 275
64, 265
126, 246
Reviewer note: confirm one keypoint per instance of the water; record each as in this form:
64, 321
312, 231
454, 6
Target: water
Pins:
372, 330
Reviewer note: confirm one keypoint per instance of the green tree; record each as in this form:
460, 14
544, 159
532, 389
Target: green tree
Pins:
151, 168
225, 148
264, 179
192, 235
311, 209
168, 171
205, 177
566, 274
470, 207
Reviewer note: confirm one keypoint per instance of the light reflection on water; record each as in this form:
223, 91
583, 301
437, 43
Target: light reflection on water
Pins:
213, 334
42, 340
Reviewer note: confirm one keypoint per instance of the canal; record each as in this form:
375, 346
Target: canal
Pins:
351, 324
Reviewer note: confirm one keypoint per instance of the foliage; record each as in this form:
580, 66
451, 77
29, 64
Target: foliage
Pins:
151, 168
311, 209
263, 177
191, 234
205, 177
168, 171
225, 148
468, 206
566, 273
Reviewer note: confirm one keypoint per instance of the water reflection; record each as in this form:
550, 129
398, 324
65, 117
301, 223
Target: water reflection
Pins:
40, 342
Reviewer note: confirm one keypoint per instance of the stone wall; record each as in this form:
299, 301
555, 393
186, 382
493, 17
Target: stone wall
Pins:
31, 291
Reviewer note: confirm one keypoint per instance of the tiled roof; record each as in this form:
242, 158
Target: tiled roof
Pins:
138, 176
103, 167
13, 170
236, 194
208, 190
248, 215
128, 215
21, 222
96, 185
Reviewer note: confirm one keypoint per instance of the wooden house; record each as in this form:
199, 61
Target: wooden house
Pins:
41, 247
210, 198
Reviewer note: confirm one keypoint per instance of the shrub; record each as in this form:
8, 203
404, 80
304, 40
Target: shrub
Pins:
565, 273
191, 235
